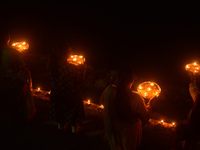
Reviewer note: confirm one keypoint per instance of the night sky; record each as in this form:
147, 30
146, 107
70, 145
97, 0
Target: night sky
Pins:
158, 38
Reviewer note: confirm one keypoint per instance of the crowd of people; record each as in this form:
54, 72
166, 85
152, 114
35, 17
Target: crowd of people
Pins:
124, 110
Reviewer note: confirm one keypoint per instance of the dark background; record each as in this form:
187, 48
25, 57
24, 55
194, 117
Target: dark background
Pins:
158, 38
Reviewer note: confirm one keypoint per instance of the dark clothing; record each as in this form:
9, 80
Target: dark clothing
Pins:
193, 120
16, 99
66, 101
123, 112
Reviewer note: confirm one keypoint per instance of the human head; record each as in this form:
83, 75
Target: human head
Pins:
63, 50
125, 75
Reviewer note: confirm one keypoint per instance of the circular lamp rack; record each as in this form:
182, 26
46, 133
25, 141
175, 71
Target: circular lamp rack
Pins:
20, 46
76, 60
193, 67
149, 89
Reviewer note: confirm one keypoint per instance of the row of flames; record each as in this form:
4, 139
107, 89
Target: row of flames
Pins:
88, 102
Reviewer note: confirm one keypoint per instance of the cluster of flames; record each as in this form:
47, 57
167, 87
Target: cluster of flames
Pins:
76, 60
20, 46
149, 89
88, 102
193, 67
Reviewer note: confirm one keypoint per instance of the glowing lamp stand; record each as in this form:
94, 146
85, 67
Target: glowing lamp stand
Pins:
193, 67
149, 90
76, 60
20, 46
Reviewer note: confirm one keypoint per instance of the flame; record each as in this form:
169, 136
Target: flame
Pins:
187, 66
102, 106
162, 121
38, 88
88, 101
148, 89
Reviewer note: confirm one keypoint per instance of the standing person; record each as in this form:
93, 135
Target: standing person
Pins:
193, 120
17, 104
67, 107
124, 110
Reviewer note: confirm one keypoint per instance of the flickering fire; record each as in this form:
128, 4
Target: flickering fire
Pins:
76, 59
149, 89
20, 46
193, 67
101, 106
88, 101
38, 89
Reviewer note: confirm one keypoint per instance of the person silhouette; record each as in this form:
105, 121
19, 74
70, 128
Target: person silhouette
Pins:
124, 111
66, 100
17, 103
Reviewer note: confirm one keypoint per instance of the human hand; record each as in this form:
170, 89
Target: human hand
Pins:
151, 101
192, 76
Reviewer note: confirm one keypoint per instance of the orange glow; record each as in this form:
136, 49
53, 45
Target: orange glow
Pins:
88, 102
38, 88
193, 67
102, 106
149, 89
20, 46
162, 121
76, 60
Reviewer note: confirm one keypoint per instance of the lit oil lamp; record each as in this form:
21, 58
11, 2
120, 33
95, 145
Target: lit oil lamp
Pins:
76, 60
38, 89
193, 67
88, 102
20, 46
101, 106
149, 89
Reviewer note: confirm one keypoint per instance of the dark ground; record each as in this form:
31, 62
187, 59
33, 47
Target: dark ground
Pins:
43, 134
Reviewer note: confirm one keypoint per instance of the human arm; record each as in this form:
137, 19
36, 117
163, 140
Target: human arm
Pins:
144, 111
193, 89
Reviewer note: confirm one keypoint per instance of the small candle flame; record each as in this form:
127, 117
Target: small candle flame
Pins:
148, 89
102, 106
38, 88
88, 101
140, 87
152, 84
